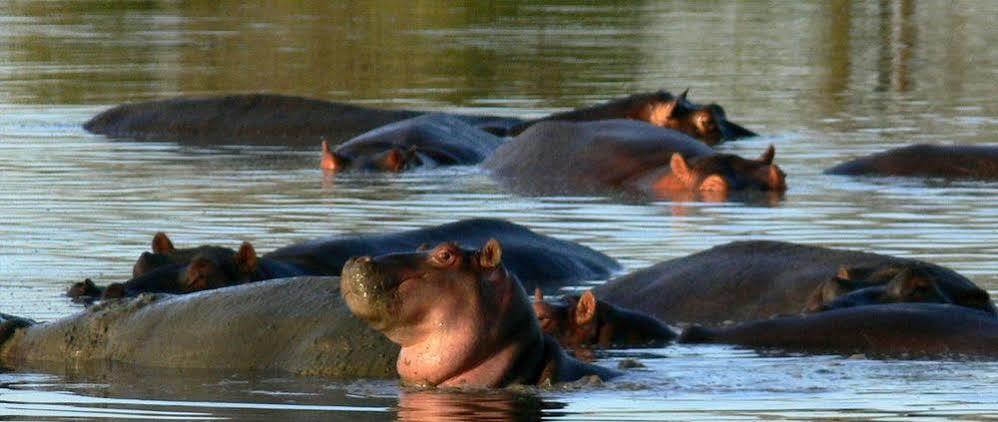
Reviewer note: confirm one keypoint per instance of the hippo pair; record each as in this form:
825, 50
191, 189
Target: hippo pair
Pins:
537, 260
461, 319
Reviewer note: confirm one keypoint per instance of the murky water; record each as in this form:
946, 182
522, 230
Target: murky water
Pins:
823, 82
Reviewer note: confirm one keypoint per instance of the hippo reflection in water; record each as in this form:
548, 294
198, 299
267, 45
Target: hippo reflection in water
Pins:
461, 319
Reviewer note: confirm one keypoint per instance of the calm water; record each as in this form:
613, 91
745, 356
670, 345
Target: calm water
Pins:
824, 82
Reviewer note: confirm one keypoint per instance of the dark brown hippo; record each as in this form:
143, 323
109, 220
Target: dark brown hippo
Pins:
426, 141
582, 321
891, 330
949, 161
298, 325
750, 280
536, 259
260, 119
462, 320
626, 157
707, 123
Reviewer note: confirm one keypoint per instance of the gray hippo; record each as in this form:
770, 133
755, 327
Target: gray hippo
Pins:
949, 161
297, 325
751, 280
460, 318
426, 141
256, 119
707, 123
626, 157
890, 330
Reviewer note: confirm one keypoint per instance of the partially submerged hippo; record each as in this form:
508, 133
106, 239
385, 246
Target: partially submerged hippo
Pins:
707, 123
421, 142
298, 325
750, 280
892, 330
462, 320
581, 321
262, 119
536, 259
949, 161
626, 157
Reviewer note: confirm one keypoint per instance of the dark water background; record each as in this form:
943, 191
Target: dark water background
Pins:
822, 81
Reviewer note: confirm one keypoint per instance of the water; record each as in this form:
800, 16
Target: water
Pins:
824, 82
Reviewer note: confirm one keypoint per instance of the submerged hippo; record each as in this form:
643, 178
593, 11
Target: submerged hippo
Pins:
581, 321
262, 119
626, 157
536, 259
461, 319
298, 325
892, 330
426, 141
750, 280
949, 161
708, 123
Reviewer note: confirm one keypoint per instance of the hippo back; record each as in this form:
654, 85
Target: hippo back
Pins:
444, 138
535, 259
950, 161
746, 280
555, 157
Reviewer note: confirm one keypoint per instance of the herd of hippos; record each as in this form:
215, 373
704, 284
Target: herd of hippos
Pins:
448, 306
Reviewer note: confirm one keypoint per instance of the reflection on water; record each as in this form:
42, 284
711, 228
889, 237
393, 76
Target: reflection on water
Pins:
823, 81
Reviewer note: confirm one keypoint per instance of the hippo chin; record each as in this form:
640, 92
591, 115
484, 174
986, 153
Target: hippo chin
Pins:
948, 161
630, 158
582, 321
707, 123
752, 280
297, 325
421, 142
461, 319
256, 119
892, 330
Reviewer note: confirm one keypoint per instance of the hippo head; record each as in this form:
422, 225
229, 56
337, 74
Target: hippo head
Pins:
391, 160
85, 288
165, 254
212, 269
583, 321
707, 123
459, 316
908, 282
716, 176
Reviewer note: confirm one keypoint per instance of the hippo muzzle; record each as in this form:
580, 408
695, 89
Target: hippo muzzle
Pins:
369, 290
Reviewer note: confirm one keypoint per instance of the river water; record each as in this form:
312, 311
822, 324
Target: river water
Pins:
822, 81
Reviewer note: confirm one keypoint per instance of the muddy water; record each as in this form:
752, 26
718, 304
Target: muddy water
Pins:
823, 82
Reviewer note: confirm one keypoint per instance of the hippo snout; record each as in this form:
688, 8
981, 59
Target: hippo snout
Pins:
366, 288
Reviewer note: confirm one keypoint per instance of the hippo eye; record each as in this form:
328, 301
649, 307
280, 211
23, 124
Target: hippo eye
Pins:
444, 257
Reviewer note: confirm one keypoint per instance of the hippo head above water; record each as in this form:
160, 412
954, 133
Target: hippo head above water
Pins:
707, 123
210, 267
909, 282
462, 320
583, 321
163, 253
717, 176
392, 160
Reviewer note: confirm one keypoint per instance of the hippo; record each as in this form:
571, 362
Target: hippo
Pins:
626, 157
298, 326
581, 321
460, 318
889, 330
948, 161
536, 259
750, 280
256, 119
426, 141
709, 124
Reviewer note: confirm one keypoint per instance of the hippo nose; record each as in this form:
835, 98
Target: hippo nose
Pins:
363, 259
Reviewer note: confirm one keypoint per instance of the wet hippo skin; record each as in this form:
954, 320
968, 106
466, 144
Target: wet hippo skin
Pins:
255, 119
460, 318
626, 157
297, 325
949, 161
750, 280
892, 330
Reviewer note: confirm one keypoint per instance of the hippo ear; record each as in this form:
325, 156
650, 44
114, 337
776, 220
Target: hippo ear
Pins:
585, 309
330, 160
491, 254
904, 284
681, 169
394, 161
844, 273
162, 244
767, 156
538, 295
682, 96
246, 260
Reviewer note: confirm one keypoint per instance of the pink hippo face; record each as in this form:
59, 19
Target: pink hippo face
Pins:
716, 177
